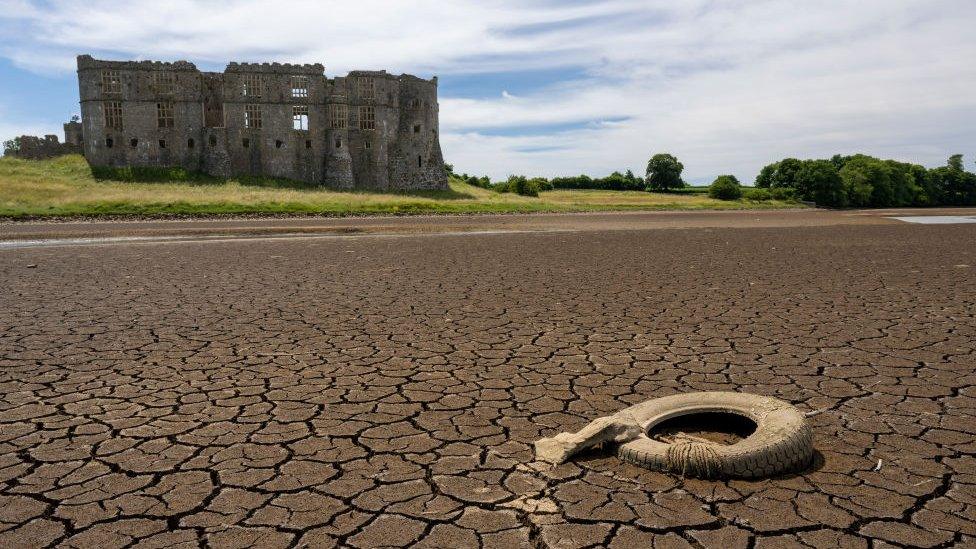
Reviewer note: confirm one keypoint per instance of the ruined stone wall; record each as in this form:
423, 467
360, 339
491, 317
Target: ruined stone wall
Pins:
40, 148
358, 131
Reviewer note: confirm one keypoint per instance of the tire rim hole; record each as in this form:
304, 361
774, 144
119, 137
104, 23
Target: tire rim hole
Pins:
716, 427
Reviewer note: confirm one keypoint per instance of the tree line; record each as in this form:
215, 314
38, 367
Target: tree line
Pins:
859, 180
867, 182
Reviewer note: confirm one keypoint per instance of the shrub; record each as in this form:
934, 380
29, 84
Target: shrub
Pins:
541, 183
519, 184
783, 193
725, 187
613, 182
476, 181
757, 194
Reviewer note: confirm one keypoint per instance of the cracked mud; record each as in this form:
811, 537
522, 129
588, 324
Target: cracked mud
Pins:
385, 391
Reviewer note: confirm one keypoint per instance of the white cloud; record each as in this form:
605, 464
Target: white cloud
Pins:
727, 86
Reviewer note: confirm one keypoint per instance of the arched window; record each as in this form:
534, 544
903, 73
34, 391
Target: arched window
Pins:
190, 143
109, 142
134, 143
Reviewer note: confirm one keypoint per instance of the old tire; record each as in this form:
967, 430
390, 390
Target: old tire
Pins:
782, 442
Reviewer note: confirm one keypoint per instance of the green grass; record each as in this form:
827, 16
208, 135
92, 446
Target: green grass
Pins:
66, 187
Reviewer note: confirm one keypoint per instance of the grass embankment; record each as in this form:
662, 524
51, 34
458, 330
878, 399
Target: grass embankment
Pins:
65, 186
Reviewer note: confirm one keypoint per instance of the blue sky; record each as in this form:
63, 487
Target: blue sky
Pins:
566, 87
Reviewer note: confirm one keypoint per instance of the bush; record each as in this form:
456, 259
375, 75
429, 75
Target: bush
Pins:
725, 187
519, 184
757, 194
482, 182
541, 184
614, 182
783, 193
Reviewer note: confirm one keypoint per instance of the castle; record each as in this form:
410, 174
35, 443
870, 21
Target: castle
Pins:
368, 130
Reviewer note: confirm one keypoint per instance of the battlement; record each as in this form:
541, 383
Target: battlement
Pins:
234, 67
276, 68
88, 62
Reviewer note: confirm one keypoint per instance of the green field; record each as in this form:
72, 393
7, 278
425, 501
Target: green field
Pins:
65, 186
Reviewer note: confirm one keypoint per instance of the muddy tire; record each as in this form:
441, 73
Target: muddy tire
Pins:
782, 442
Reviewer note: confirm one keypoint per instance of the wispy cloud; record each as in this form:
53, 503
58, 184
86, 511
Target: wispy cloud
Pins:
728, 86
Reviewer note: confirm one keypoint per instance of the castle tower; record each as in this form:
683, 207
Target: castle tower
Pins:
73, 133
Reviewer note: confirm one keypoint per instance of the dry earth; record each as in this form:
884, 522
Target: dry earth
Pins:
380, 390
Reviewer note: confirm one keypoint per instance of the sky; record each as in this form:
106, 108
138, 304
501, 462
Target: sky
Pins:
545, 87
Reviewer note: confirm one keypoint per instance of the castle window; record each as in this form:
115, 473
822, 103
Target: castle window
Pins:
246, 142
416, 128
109, 142
252, 117
299, 86
420, 162
367, 87
300, 117
111, 81
113, 115
134, 143
415, 103
213, 140
367, 118
338, 143
163, 82
338, 115
162, 143
278, 143
252, 85
367, 145
308, 144
164, 115
213, 113
190, 143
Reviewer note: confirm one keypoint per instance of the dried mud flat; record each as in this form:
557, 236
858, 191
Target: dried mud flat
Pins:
379, 390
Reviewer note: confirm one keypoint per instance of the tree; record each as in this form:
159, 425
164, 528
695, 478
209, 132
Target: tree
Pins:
786, 173
11, 146
633, 183
779, 174
838, 160
952, 185
819, 181
868, 182
955, 162
725, 187
907, 188
664, 173
766, 175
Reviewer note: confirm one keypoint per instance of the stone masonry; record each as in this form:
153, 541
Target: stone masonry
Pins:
31, 147
368, 130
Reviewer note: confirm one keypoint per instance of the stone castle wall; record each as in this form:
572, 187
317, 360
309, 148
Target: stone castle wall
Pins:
369, 129
31, 147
